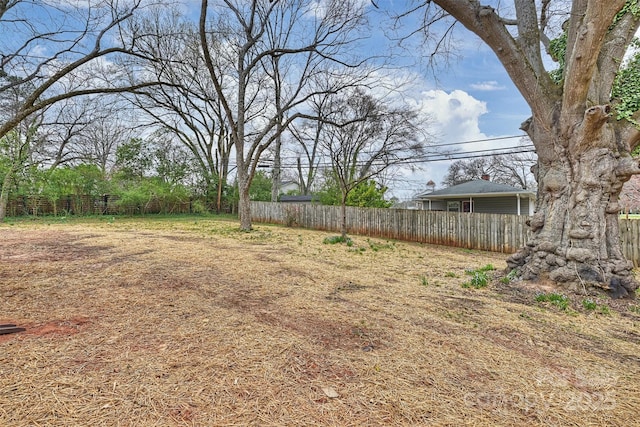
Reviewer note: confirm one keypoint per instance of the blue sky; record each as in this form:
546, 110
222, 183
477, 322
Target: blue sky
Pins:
470, 99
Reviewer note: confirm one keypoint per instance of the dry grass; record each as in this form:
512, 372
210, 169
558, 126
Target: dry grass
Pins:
190, 322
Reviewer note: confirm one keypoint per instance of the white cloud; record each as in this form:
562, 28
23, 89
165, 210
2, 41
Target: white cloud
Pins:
455, 118
455, 115
487, 86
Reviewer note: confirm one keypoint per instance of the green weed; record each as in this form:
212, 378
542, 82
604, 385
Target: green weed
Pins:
510, 277
375, 246
332, 240
559, 300
591, 305
479, 277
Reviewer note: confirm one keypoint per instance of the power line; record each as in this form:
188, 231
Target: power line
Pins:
437, 157
475, 141
498, 138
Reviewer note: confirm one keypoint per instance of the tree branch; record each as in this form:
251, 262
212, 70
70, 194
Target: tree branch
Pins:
534, 84
590, 21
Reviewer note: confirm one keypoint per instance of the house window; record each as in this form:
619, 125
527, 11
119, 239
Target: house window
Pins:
467, 207
453, 206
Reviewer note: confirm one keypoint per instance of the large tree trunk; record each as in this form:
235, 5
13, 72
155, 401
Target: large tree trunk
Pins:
276, 177
244, 201
343, 217
4, 192
575, 236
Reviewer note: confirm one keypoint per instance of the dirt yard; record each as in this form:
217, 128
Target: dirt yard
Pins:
189, 322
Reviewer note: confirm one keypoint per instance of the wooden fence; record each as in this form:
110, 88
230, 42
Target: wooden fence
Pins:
490, 232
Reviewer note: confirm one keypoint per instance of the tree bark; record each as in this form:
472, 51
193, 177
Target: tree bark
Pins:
343, 217
575, 233
4, 193
244, 201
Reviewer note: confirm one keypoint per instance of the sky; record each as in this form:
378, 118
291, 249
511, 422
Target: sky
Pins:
472, 103
471, 100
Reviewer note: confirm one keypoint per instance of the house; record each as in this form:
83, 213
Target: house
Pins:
480, 196
289, 186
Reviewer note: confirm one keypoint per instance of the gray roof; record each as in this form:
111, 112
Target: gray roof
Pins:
476, 188
297, 199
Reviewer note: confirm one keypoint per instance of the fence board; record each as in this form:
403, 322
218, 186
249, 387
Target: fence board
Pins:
492, 232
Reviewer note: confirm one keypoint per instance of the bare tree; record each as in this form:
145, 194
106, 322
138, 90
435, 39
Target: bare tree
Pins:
238, 40
79, 42
82, 129
16, 146
466, 170
584, 153
52, 52
186, 103
512, 169
103, 136
307, 134
365, 137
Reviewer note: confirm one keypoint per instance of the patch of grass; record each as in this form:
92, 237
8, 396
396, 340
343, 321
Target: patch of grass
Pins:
604, 309
332, 240
375, 246
424, 281
559, 300
479, 277
450, 274
591, 305
634, 309
488, 267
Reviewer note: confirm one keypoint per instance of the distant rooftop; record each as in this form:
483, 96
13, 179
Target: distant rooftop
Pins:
297, 199
478, 187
